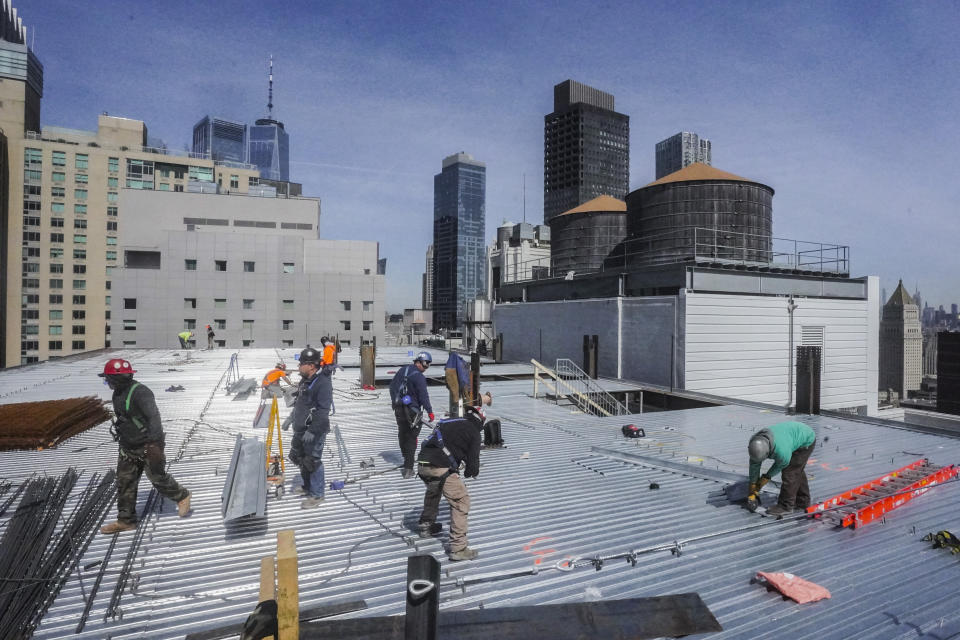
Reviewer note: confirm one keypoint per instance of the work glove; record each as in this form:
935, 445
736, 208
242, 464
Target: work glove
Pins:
430, 415
754, 487
763, 480
753, 502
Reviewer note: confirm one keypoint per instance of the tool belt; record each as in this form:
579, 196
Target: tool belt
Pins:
441, 479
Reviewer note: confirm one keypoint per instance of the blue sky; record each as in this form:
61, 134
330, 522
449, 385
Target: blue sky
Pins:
847, 109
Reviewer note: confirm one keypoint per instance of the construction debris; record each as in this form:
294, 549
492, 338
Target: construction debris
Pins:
41, 425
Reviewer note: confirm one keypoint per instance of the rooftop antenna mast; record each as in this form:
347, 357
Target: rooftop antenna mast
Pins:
270, 91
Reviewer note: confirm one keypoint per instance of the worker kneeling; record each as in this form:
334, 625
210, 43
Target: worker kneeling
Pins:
790, 445
452, 442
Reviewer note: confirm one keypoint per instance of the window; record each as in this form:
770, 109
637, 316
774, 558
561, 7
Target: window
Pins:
129, 343
79, 330
139, 174
59, 176
80, 194
55, 237
80, 209
32, 156
79, 223
287, 305
56, 222
56, 298
106, 301
56, 252
287, 325
80, 239
34, 236
129, 325
248, 303
111, 225
190, 265
345, 304
55, 345
79, 268
112, 212
248, 266
80, 178
56, 314
204, 174
345, 324
59, 158
111, 196
248, 325
248, 343
79, 284
56, 268
113, 164
111, 255
234, 182
220, 343
30, 283
79, 314
253, 181
219, 303
178, 188
287, 343
31, 221
111, 240
31, 329
189, 303
83, 299
58, 192
220, 324
368, 325
79, 254
288, 267
57, 207
56, 283
189, 323
113, 183
29, 314
32, 252
368, 305
81, 161
129, 303
220, 265
56, 329
79, 345
163, 186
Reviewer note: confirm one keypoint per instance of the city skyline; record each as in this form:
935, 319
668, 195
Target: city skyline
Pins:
375, 102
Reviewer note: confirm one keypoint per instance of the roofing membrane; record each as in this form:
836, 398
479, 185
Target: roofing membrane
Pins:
567, 485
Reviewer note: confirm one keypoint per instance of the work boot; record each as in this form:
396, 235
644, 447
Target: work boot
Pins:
778, 511
117, 527
311, 502
429, 529
463, 554
183, 507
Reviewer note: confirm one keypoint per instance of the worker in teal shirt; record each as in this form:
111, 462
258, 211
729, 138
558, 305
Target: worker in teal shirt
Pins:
790, 445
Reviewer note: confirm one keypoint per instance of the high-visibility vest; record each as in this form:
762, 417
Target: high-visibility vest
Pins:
272, 376
329, 353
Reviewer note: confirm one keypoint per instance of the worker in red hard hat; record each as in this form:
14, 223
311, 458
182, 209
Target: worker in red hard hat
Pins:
139, 434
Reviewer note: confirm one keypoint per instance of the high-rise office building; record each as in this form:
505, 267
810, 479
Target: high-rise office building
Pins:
268, 145
60, 211
428, 280
901, 344
679, 151
459, 259
220, 140
586, 149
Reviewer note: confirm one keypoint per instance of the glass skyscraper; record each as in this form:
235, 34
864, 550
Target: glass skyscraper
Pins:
459, 224
220, 140
679, 151
269, 149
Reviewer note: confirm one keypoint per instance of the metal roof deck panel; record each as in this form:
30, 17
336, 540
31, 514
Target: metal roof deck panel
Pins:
564, 499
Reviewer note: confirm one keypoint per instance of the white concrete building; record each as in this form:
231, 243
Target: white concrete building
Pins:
521, 252
253, 268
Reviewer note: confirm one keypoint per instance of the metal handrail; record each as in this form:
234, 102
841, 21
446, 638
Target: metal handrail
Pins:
592, 399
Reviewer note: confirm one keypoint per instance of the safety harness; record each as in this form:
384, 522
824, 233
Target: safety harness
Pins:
437, 437
141, 428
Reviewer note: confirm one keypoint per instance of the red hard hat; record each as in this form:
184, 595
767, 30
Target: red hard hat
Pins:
116, 365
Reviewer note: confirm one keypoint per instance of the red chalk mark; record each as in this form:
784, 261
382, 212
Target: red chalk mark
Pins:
540, 553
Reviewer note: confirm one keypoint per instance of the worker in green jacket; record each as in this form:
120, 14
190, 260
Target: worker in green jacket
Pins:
185, 339
790, 445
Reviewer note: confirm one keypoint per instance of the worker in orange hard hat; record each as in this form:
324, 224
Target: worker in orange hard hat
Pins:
210, 335
271, 382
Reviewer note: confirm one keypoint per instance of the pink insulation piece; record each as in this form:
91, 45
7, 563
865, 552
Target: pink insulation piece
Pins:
798, 589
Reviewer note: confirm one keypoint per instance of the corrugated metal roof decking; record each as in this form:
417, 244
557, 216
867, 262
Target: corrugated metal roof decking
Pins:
194, 573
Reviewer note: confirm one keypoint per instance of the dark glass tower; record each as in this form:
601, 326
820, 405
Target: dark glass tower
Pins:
269, 149
586, 149
459, 259
220, 140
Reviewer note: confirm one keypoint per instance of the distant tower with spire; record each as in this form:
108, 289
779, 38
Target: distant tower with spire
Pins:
268, 142
901, 344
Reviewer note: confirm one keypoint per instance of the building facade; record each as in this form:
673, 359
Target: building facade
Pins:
427, 294
681, 150
220, 140
901, 344
521, 252
586, 149
253, 268
459, 272
268, 149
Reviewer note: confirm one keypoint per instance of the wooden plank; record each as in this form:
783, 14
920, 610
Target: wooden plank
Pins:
633, 619
288, 592
268, 584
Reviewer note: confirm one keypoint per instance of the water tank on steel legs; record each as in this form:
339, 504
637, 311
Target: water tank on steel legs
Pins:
582, 237
700, 211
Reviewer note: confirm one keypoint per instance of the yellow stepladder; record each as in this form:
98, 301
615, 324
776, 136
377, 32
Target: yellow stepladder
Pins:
276, 469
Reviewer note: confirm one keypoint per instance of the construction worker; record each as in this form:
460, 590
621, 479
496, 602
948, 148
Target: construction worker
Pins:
185, 338
457, 376
329, 351
453, 442
790, 445
408, 394
210, 335
271, 381
311, 424
139, 433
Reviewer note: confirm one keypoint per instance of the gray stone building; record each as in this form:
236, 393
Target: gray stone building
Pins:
681, 150
253, 268
901, 344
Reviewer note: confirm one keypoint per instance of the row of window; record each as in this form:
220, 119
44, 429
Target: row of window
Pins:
78, 223
54, 283
247, 325
190, 264
55, 298
34, 236
53, 345
54, 329
33, 157
30, 267
221, 303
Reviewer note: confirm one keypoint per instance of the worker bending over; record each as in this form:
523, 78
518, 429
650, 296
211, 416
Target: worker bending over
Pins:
184, 337
453, 442
271, 381
789, 444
